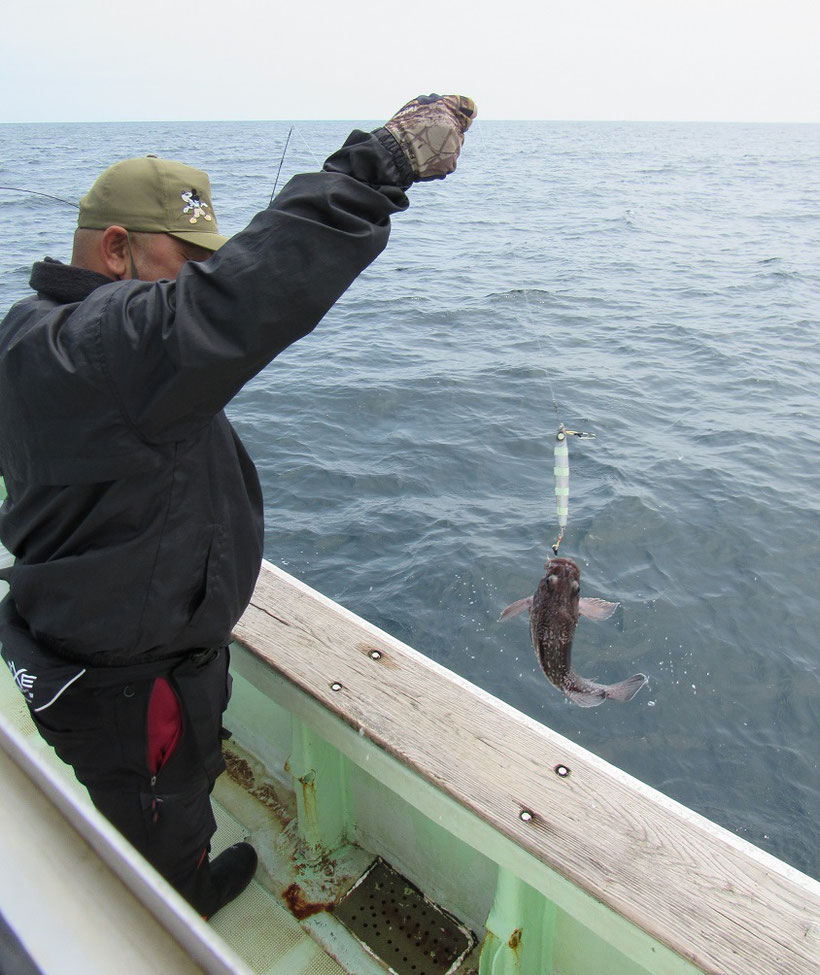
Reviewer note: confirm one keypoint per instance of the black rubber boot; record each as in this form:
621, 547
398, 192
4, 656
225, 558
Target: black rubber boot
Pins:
224, 878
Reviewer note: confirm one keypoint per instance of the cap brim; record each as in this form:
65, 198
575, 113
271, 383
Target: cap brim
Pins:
210, 241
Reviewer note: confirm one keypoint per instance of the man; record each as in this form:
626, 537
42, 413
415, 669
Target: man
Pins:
133, 511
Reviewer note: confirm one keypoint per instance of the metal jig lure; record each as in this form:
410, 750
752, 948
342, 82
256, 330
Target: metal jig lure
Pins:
561, 472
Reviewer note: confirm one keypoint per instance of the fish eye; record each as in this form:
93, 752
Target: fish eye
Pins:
575, 586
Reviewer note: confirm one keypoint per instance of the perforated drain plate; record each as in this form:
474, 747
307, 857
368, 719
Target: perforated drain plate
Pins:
399, 925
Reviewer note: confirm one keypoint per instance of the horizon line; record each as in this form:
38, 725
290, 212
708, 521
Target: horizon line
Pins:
353, 120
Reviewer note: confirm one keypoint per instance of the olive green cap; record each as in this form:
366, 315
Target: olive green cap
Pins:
156, 196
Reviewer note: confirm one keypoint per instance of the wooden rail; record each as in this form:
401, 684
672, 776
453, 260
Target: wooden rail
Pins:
709, 896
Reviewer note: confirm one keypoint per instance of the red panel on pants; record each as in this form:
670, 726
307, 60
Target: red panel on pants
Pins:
164, 724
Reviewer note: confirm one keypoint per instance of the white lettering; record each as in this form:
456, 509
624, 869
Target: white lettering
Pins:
23, 679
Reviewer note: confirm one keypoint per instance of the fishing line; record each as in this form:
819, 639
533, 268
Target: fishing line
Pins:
519, 264
561, 447
310, 151
48, 196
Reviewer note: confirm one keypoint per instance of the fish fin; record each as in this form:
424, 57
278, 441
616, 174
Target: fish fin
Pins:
596, 609
515, 608
626, 689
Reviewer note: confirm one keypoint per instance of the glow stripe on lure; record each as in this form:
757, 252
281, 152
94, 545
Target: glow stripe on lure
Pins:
561, 471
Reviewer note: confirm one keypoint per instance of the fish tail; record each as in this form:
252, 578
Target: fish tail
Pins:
626, 689
587, 694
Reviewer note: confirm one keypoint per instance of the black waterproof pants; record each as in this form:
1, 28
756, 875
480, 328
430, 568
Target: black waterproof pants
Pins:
99, 726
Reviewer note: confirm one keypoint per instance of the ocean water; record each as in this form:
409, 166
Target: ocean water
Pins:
658, 283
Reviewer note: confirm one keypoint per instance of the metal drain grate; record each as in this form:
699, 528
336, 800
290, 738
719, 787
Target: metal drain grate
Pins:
399, 925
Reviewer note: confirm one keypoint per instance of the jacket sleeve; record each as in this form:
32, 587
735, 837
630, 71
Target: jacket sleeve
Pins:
178, 351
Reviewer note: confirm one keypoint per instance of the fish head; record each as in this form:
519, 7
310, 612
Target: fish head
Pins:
559, 590
563, 577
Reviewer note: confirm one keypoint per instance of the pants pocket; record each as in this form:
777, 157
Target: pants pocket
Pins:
201, 683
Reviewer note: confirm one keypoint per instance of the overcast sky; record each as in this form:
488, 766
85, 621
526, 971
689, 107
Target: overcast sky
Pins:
735, 60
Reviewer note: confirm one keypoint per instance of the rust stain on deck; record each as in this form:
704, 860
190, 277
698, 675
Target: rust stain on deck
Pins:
299, 905
240, 771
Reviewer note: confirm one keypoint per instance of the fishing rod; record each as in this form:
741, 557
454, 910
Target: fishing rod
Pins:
48, 196
281, 162
293, 129
59, 199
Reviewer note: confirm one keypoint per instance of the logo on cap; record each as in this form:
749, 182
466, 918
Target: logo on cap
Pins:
194, 205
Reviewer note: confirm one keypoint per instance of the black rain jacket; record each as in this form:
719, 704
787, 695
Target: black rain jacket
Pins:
133, 510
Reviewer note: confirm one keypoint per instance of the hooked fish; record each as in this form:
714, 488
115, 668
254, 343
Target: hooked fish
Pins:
554, 610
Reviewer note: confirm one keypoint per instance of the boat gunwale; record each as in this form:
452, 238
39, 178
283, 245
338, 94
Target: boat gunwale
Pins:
173, 914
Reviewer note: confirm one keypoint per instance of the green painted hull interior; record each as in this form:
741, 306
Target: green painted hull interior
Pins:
352, 802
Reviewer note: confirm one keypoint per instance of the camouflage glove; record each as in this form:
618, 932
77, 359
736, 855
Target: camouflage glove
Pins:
430, 132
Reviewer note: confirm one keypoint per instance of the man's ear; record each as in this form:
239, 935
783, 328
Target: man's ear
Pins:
115, 253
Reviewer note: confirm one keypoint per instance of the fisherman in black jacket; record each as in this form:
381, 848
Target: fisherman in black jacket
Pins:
133, 511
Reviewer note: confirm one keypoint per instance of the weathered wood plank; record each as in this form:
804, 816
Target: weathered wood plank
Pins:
711, 897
